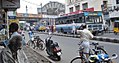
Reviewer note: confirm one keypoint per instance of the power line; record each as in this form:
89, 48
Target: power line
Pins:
31, 3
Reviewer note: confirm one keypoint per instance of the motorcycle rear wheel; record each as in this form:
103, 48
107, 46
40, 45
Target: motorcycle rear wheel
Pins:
41, 46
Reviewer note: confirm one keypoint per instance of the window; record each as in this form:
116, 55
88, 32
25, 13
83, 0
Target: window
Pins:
94, 19
70, 1
71, 9
77, 7
117, 1
85, 5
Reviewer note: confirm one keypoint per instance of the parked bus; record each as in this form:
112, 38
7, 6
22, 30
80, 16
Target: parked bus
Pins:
93, 20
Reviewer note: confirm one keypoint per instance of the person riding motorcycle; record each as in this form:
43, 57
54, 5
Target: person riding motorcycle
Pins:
85, 36
31, 34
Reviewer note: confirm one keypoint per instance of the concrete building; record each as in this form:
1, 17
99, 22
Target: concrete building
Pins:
113, 9
74, 5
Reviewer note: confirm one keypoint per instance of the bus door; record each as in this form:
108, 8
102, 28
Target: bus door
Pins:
116, 27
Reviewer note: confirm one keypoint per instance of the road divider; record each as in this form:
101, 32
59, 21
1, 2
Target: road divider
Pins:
105, 39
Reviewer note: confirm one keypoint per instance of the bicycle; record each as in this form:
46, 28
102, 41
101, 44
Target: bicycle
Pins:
96, 55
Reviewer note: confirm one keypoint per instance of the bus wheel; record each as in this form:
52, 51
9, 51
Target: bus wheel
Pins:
102, 33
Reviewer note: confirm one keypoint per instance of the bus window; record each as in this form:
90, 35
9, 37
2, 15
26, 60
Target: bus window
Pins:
93, 19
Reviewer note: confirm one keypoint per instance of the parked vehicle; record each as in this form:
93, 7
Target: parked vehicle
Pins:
116, 27
39, 43
53, 49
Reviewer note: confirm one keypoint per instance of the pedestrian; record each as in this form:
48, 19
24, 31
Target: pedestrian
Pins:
9, 53
85, 36
73, 28
106, 28
13, 30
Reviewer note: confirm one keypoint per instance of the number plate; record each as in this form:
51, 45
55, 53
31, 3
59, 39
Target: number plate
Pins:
58, 53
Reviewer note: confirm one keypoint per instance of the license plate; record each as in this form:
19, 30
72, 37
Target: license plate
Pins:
58, 53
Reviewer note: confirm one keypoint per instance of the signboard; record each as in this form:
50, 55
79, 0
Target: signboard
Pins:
93, 13
8, 4
12, 17
13, 21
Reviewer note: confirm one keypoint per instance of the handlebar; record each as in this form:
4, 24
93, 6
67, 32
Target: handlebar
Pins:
94, 43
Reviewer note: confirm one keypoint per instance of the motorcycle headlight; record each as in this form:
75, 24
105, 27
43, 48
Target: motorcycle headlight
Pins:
93, 58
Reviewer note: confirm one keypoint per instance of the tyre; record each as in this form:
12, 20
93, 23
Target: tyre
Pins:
58, 58
29, 43
76, 60
115, 33
41, 46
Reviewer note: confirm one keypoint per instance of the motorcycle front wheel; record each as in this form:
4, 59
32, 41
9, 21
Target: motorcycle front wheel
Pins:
58, 58
41, 46
76, 60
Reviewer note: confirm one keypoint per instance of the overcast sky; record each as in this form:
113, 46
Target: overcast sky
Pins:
33, 4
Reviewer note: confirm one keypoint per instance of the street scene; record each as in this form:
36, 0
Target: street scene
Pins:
53, 31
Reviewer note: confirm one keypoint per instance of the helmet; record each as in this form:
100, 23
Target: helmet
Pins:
93, 58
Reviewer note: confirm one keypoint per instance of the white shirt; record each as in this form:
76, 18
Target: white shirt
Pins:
85, 34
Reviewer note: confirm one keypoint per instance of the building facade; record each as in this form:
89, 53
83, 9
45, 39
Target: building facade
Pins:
113, 9
74, 5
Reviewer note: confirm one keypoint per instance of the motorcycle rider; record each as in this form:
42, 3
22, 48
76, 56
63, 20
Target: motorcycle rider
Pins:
30, 33
85, 36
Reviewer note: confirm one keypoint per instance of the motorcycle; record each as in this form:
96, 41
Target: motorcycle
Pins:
32, 41
53, 49
39, 43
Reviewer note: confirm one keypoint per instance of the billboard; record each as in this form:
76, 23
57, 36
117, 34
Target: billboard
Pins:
10, 4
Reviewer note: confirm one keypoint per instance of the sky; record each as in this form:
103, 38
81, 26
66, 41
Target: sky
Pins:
32, 5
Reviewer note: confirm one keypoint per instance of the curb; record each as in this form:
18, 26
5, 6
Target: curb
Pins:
106, 39
51, 61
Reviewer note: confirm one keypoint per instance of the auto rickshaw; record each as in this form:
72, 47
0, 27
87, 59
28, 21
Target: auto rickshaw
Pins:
116, 27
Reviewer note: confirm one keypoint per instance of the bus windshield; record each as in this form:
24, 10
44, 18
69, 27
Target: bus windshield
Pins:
94, 19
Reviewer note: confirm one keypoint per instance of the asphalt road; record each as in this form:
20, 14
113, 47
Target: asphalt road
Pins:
69, 47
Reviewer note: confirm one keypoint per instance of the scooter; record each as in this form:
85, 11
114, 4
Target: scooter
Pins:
53, 49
